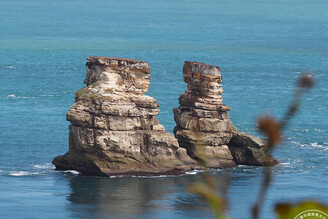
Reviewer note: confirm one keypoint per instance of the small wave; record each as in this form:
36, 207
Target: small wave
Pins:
243, 166
300, 129
72, 172
9, 66
21, 173
49, 95
44, 166
315, 144
11, 96
284, 164
146, 177
22, 97
159, 176
134, 176
320, 145
193, 172
320, 130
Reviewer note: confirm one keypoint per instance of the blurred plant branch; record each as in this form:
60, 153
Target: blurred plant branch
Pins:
273, 130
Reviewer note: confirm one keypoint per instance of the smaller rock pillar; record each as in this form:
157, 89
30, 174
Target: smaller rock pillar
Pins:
203, 125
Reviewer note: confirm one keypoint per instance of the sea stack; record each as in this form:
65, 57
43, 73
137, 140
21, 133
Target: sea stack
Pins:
114, 130
203, 124
204, 127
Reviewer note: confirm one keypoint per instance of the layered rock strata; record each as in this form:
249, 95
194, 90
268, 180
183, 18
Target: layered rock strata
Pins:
114, 130
204, 127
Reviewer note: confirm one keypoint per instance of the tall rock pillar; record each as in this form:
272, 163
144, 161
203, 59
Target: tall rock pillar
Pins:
114, 130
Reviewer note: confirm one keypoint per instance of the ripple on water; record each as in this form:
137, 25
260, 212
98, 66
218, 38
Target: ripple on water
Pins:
9, 66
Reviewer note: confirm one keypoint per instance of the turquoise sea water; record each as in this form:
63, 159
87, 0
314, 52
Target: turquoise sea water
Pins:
260, 46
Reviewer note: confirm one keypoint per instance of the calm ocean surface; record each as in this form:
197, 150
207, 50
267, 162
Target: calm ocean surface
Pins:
260, 46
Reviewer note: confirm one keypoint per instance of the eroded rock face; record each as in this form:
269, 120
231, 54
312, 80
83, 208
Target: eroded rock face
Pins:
204, 127
114, 128
250, 150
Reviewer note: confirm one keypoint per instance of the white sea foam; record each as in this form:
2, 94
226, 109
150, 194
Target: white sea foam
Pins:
22, 173
49, 95
9, 66
113, 177
44, 166
121, 176
149, 177
161, 176
320, 145
243, 166
193, 172
11, 96
300, 129
320, 130
72, 172
20, 97
284, 164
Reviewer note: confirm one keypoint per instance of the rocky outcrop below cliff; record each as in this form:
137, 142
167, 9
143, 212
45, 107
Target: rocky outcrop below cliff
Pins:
204, 127
114, 130
250, 150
